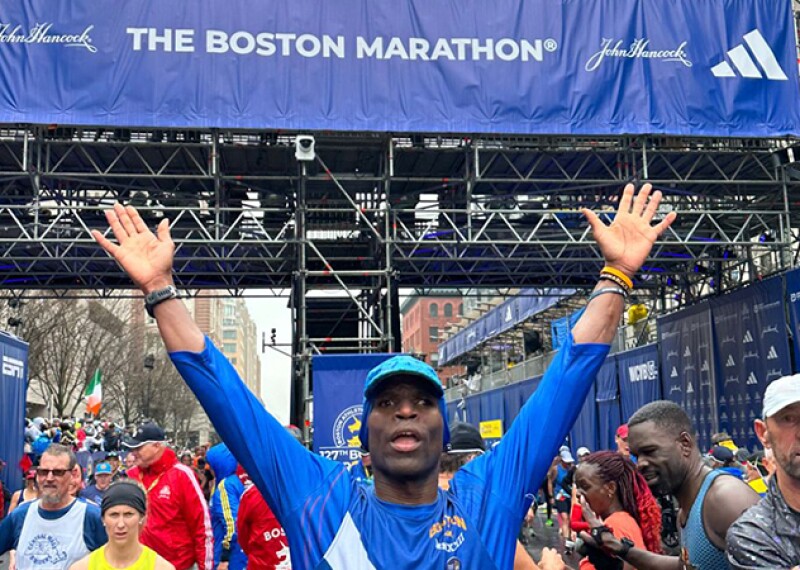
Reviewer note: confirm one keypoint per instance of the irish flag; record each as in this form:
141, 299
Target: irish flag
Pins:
94, 394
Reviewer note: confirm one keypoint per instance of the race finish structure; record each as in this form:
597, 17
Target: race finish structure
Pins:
582, 67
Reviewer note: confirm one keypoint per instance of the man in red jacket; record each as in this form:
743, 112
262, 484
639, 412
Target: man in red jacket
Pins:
178, 526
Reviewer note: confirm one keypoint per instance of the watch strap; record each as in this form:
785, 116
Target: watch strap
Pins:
159, 296
627, 544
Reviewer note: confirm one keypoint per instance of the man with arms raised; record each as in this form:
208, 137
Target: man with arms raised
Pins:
404, 520
768, 535
56, 529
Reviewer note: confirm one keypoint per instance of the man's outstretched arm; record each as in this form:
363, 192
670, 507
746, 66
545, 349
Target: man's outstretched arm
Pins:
522, 458
625, 245
147, 259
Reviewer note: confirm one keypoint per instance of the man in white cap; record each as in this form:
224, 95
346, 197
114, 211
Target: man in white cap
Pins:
766, 536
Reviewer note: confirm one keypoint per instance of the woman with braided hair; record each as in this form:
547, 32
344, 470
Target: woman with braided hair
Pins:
616, 498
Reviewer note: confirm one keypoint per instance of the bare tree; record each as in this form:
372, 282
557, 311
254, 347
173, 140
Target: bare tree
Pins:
69, 340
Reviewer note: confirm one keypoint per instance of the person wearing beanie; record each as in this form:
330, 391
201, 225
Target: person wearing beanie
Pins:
123, 511
403, 521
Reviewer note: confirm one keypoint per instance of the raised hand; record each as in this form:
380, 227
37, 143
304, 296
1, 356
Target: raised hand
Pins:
145, 257
627, 241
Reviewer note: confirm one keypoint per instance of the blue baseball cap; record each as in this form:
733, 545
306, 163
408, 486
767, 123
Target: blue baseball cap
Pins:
401, 365
103, 468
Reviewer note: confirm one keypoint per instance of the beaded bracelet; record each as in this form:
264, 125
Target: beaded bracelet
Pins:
608, 270
615, 280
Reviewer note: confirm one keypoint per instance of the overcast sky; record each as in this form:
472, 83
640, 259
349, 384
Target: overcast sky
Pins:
275, 367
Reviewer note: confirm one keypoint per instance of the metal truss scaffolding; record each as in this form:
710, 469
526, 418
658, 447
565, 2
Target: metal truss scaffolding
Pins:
373, 213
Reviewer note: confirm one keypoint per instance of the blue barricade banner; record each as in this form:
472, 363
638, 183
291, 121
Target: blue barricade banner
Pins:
793, 300
639, 379
591, 67
584, 430
609, 415
338, 397
688, 367
13, 393
752, 349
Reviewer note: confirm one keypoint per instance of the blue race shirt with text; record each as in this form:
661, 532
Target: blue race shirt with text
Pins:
332, 521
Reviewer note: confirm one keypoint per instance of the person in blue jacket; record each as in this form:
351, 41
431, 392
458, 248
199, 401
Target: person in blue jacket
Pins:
224, 507
403, 521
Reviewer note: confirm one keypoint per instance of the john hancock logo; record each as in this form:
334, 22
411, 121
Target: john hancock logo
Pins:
347, 426
46, 33
637, 49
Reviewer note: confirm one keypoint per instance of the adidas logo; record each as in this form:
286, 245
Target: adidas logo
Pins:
747, 337
772, 354
744, 64
690, 389
674, 373
751, 379
687, 353
704, 366
730, 363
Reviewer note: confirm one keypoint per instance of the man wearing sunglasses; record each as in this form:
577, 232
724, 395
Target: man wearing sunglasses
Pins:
44, 532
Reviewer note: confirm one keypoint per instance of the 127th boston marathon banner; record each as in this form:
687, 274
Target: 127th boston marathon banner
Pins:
591, 67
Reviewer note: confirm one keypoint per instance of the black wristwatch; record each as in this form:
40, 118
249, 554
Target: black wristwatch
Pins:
627, 544
597, 533
159, 296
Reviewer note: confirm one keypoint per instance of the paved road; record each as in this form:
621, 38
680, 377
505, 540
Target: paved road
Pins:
547, 537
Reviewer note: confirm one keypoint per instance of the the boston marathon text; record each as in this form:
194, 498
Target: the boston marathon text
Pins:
269, 44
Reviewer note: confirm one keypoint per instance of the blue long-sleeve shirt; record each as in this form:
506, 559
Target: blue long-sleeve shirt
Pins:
333, 522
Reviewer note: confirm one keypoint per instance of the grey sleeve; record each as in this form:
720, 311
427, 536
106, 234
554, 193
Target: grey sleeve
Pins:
751, 547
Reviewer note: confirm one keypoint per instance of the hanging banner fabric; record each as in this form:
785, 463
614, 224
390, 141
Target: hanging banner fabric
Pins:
13, 392
608, 408
688, 367
753, 350
584, 430
338, 397
639, 380
792, 297
591, 67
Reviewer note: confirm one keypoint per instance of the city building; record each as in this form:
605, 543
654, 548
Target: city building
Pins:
227, 322
424, 319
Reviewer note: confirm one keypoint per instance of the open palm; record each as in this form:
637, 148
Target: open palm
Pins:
627, 241
145, 257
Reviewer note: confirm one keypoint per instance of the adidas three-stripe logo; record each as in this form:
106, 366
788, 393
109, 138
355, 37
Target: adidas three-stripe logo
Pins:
744, 64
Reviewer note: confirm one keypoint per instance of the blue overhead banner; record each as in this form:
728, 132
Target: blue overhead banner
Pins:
590, 67
338, 397
688, 366
13, 390
639, 379
753, 350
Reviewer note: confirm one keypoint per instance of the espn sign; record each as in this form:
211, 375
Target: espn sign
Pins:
13, 367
